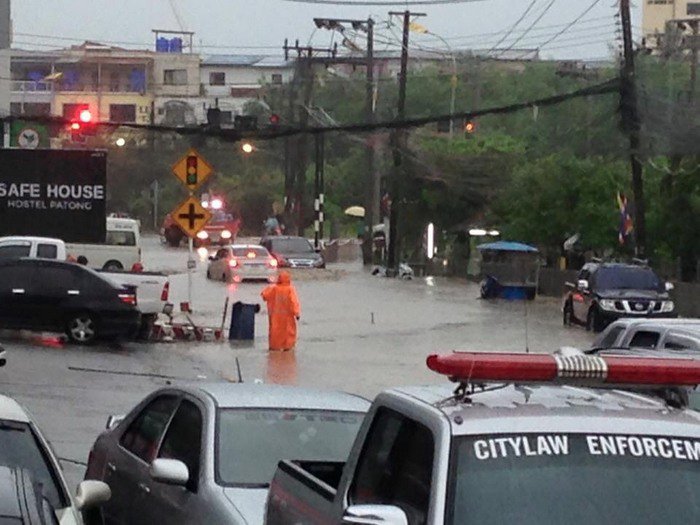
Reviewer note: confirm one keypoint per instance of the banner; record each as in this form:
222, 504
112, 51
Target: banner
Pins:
53, 193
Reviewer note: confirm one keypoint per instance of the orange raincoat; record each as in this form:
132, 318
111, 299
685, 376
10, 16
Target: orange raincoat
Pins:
283, 310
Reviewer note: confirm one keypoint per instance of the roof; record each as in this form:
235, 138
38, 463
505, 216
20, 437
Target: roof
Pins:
555, 409
246, 61
666, 322
28, 238
10, 410
508, 246
245, 395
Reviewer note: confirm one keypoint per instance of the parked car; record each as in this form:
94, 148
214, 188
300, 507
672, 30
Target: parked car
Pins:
293, 252
242, 261
653, 334
152, 288
32, 486
222, 229
207, 453
40, 294
605, 292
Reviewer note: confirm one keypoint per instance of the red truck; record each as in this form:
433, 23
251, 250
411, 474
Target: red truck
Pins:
222, 229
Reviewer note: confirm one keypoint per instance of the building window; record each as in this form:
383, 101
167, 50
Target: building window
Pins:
244, 92
175, 77
30, 109
72, 111
277, 78
693, 8
217, 79
122, 113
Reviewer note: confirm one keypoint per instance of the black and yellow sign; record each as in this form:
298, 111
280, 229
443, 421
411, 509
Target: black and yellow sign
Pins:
191, 216
192, 170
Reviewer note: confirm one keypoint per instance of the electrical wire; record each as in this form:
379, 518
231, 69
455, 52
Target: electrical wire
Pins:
512, 28
574, 21
541, 15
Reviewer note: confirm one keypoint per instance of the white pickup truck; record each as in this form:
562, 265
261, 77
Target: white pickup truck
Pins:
152, 288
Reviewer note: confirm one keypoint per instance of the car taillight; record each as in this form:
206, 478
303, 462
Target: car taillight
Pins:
232, 263
165, 294
571, 370
128, 298
272, 262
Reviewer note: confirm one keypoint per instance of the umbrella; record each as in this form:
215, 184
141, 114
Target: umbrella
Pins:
355, 211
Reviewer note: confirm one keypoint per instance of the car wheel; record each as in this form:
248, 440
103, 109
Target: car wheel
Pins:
82, 329
568, 313
112, 266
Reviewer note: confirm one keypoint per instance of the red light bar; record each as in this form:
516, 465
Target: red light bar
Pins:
578, 369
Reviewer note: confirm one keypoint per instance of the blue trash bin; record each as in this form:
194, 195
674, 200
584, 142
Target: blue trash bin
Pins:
243, 321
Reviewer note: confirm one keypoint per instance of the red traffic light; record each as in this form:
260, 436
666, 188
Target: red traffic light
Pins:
85, 116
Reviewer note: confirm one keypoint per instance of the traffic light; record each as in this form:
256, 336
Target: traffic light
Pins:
192, 170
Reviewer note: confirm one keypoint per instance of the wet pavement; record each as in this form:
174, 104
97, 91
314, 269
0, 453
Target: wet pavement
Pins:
358, 333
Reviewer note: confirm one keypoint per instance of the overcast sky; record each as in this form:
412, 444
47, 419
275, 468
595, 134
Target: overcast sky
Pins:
228, 26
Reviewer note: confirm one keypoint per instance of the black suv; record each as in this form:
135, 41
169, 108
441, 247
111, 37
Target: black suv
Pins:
604, 292
293, 252
41, 294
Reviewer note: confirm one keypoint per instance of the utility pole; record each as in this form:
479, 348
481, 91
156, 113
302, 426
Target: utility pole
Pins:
694, 57
372, 186
630, 118
319, 183
398, 143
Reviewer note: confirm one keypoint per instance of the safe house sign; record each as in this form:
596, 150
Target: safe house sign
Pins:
53, 193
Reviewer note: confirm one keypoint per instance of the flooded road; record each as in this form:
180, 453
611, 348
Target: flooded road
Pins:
358, 333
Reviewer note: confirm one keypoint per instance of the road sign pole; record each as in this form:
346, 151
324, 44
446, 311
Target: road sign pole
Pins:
190, 269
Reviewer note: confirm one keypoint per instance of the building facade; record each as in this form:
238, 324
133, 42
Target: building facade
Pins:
657, 13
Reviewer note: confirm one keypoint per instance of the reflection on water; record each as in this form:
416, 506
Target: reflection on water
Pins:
281, 368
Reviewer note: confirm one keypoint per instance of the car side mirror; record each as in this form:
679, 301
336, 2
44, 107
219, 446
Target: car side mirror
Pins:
169, 472
669, 286
113, 421
92, 493
375, 515
583, 284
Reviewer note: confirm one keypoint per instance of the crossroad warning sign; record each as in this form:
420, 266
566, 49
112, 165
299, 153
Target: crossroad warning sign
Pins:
191, 216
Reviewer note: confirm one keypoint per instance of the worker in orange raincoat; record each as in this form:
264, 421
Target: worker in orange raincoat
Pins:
283, 312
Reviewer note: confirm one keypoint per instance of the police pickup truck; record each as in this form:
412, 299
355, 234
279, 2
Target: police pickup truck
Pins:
525, 438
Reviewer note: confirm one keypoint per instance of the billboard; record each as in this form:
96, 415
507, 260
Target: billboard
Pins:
53, 193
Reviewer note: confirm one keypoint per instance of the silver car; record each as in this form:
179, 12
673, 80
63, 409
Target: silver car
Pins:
239, 262
207, 453
29, 462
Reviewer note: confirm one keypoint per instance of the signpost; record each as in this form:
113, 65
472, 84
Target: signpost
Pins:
192, 170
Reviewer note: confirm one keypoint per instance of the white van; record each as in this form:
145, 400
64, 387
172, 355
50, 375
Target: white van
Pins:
121, 250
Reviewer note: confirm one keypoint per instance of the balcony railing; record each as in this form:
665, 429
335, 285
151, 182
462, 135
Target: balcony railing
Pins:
30, 86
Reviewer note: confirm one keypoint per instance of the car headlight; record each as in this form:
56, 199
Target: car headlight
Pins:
202, 235
225, 234
667, 306
607, 304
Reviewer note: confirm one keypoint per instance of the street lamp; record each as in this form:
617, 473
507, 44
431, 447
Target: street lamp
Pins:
121, 142
418, 28
247, 148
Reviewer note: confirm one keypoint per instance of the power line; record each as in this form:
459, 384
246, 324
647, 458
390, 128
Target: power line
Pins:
544, 12
517, 22
574, 21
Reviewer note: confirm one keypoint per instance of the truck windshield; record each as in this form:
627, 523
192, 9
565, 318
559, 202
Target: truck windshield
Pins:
252, 442
574, 479
627, 279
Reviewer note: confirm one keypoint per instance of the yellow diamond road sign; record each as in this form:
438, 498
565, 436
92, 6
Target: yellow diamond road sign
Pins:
192, 170
191, 216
